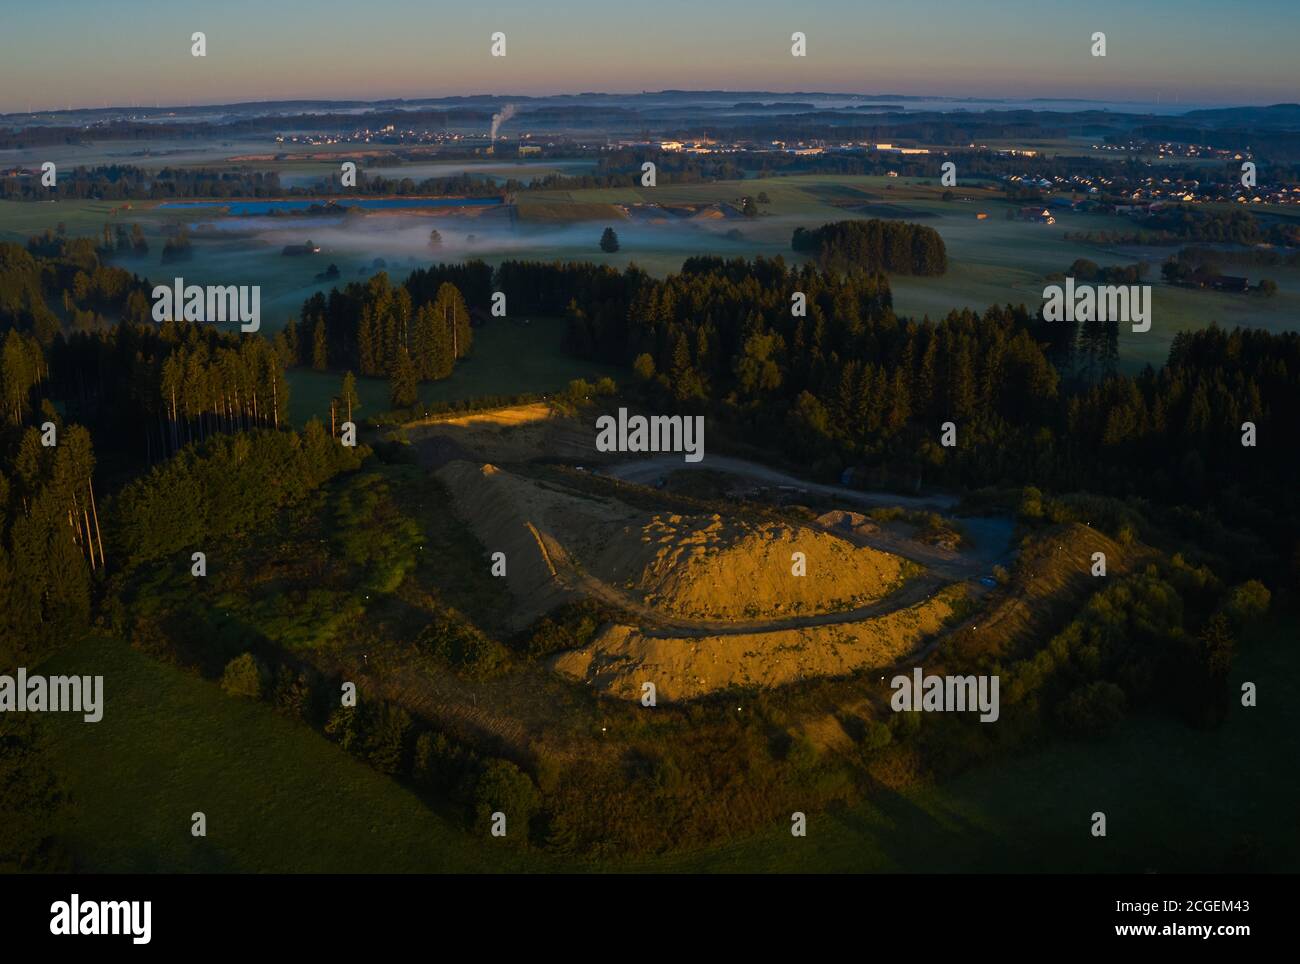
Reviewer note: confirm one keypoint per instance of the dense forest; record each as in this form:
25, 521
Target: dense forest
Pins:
874, 247
370, 327
846, 384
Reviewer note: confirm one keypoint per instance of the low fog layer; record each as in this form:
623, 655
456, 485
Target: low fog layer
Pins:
485, 237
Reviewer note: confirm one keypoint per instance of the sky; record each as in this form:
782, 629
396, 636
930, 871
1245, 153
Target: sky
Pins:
92, 53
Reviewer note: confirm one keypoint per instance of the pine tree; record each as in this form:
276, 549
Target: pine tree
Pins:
443, 358
319, 347
900, 404
367, 354
403, 384
348, 395
424, 342
449, 307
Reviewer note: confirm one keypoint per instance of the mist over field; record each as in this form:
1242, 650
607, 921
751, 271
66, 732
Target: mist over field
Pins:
247, 250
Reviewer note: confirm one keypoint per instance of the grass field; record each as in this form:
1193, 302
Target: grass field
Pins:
509, 357
19, 220
278, 797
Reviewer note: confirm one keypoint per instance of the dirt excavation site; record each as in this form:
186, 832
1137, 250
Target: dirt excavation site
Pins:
703, 600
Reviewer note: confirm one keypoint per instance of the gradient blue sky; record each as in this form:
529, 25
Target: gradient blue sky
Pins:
88, 53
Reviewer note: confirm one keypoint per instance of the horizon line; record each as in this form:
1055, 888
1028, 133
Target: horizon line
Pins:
431, 98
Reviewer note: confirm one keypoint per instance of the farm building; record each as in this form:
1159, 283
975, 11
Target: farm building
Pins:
1037, 214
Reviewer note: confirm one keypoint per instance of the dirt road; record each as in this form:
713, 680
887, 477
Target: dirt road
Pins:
646, 471
990, 535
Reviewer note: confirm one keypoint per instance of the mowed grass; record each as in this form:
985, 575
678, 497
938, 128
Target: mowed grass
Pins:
20, 220
509, 357
278, 797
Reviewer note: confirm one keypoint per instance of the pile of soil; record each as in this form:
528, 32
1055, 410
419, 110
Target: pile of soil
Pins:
622, 658
709, 567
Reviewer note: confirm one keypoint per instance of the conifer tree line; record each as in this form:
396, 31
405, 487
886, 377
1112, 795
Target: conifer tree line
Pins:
22, 368
233, 385
116, 182
150, 389
50, 537
377, 327
51, 530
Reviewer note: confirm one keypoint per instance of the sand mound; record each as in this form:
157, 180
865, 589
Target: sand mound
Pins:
481, 497
714, 601
710, 213
520, 517
622, 658
715, 568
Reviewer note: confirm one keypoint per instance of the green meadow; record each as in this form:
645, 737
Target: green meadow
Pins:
19, 220
278, 797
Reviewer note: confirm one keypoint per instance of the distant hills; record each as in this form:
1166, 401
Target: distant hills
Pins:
731, 99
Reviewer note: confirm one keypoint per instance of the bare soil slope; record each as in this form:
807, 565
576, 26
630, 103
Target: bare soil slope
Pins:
622, 658
509, 514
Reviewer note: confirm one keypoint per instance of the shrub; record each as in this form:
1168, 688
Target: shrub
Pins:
386, 739
1247, 603
244, 677
1092, 710
454, 640
441, 763
571, 626
502, 786
1031, 503
293, 694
